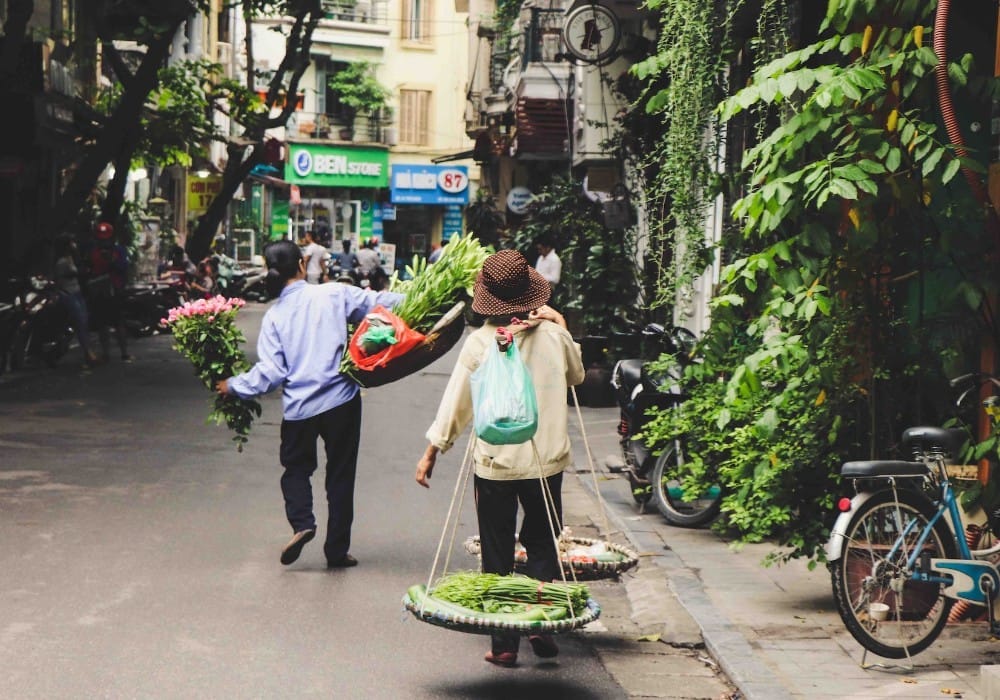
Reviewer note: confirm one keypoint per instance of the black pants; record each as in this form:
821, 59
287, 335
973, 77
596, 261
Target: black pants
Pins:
496, 509
340, 429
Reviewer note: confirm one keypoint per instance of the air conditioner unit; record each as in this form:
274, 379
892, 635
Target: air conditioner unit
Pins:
390, 136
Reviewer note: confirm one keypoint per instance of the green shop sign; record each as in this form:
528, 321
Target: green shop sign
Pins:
332, 166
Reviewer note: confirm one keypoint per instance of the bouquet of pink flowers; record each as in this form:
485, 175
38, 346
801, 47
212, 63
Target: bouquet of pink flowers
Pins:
205, 332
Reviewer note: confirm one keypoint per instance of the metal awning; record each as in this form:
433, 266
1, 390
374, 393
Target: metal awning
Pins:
461, 155
268, 180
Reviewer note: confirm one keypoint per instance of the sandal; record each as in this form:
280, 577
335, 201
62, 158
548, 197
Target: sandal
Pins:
507, 659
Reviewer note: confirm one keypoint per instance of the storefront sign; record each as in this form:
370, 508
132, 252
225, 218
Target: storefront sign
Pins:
452, 221
430, 184
337, 166
518, 199
201, 191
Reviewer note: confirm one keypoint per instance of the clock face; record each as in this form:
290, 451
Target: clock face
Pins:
591, 32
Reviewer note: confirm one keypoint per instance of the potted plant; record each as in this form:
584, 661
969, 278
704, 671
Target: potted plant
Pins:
359, 91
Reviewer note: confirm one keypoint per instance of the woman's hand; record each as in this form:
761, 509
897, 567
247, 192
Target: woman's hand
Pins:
547, 313
425, 467
222, 386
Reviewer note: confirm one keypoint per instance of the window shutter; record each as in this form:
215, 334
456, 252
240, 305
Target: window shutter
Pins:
414, 117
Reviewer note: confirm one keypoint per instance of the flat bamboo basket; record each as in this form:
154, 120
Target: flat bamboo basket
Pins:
437, 342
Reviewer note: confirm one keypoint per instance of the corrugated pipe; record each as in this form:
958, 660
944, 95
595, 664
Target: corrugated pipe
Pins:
944, 96
961, 609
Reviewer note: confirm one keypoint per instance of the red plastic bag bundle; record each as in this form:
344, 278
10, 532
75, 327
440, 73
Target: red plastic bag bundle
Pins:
372, 345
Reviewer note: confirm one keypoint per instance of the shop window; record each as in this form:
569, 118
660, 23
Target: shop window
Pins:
414, 117
417, 20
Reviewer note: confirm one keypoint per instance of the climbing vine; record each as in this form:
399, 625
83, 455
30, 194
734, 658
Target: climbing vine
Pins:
858, 277
690, 54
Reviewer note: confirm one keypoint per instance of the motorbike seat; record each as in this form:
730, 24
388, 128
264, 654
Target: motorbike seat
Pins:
631, 373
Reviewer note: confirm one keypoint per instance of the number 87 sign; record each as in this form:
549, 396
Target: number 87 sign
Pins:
453, 181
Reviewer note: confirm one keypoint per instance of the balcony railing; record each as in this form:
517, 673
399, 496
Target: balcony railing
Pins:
312, 125
543, 36
362, 11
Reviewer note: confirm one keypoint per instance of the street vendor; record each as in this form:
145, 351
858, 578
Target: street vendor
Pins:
302, 339
510, 293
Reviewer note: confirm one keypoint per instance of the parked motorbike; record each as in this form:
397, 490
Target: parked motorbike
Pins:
42, 327
636, 391
8, 315
144, 305
232, 279
254, 285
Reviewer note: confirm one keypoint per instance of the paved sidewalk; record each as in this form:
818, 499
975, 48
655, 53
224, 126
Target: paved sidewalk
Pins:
774, 631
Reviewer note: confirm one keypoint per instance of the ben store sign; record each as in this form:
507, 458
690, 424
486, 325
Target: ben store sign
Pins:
331, 166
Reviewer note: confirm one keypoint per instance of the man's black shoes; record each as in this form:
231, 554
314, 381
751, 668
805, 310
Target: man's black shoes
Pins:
342, 563
294, 547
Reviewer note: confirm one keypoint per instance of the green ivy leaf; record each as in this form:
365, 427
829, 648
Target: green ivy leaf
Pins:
950, 170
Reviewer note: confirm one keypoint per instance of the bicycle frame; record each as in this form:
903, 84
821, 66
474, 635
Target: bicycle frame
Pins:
962, 581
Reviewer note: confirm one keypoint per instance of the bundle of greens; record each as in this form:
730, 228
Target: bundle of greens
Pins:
432, 289
514, 594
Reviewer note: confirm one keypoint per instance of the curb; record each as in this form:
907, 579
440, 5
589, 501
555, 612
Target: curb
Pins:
722, 638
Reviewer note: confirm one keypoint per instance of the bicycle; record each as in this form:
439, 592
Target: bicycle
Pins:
897, 553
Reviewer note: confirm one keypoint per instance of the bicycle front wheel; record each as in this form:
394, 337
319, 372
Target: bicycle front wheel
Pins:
886, 611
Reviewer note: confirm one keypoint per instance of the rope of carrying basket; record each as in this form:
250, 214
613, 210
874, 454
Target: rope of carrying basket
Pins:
623, 558
467, 620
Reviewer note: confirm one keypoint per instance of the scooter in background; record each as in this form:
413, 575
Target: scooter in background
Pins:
145, 305
637, 390
42, 327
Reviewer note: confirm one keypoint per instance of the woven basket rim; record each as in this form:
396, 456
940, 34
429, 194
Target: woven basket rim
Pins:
476, 625
608, 567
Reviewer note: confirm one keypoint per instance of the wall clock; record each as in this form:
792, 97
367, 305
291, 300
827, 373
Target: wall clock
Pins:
591, 33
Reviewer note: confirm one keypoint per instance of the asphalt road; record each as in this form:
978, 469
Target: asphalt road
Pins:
139, 551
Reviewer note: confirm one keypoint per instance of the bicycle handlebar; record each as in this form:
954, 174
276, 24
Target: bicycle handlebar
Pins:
972, 382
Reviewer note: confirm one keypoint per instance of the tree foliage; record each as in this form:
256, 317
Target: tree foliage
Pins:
858, 277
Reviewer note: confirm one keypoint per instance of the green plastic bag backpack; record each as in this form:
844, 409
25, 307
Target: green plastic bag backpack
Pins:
504, 407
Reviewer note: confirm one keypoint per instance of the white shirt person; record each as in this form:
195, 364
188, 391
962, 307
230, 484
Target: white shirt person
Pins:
549, 265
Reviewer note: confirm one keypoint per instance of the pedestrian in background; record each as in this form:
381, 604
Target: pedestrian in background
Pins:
315, 256
203, 284
436, 250
302, 339
67, 278
106, 274
370, 263
548, 264
506, 475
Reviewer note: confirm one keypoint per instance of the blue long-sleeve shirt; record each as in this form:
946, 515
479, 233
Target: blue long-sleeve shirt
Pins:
302, 340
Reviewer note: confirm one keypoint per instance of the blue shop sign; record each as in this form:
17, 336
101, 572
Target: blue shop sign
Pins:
429, 184
452, 221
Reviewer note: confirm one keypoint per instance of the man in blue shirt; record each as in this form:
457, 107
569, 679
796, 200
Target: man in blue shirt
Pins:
302, 339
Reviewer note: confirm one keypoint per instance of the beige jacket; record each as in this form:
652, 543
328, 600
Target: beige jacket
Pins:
553, 359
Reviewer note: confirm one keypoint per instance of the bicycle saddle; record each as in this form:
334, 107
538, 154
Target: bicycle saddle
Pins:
924, 439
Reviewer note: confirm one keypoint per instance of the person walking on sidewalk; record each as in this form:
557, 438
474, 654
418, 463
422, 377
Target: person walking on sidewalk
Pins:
315, 256
302, 339
506, 475
106, 274
67, 278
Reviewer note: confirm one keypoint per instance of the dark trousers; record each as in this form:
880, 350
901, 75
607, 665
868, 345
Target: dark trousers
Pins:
340, 429
496, 509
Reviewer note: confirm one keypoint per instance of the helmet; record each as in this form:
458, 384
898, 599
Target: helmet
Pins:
104, 230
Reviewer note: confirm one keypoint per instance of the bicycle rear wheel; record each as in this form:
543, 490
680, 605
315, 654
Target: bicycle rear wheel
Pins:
669, 496
866, 575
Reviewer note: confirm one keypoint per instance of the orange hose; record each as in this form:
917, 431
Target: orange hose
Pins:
944, 97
